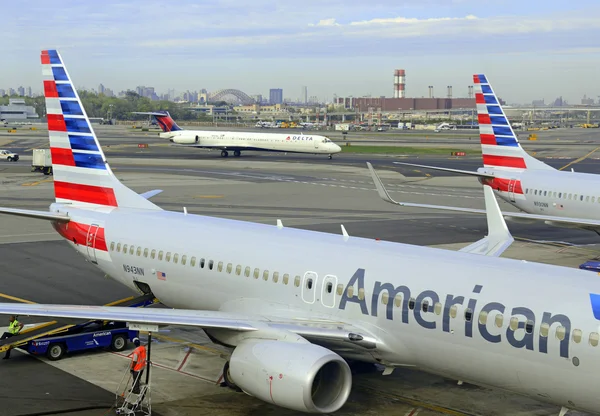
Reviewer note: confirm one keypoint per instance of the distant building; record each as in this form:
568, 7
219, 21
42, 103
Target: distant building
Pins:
29, 92
363, 104
101, 89
2, 93
21, 91
275, 96
538, 103
257, 98
11, 92
304, 95
587, 101
17, 110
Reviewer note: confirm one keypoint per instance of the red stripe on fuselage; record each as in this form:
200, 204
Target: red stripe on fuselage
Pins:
50, 89
499, 184
504, 161
78, 233
85, 193
56, 122
488, 139
62, 156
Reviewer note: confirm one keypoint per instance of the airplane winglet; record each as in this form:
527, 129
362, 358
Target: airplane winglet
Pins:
383, 193
345, 233
499, 237
279, 224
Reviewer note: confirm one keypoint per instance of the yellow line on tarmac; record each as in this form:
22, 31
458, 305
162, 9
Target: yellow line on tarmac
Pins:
580, 159
209, 196
191, 344
37, 182
5, 296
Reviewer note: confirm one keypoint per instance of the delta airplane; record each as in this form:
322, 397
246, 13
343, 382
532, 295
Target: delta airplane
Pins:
294, 305
560, 198
242, 141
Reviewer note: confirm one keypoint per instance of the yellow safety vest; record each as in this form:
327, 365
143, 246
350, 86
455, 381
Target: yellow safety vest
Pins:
13, 328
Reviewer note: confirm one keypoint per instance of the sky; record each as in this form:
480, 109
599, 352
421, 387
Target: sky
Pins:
529, 49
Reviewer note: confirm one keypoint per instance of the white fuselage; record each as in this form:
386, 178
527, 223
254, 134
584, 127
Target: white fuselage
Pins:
520, 326
292, 142
550, 192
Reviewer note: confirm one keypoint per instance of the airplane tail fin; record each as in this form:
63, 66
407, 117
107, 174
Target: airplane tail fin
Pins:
82, 176
499, 144
165, 121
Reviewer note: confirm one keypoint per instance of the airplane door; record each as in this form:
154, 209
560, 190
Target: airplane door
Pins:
91, 242
316, 143
511, 189
328, 291
309, 284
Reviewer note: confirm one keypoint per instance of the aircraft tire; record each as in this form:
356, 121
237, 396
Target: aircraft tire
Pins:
224, 153
227, 378
237, 153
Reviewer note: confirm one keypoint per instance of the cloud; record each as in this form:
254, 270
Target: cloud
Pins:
325, 22
405, 20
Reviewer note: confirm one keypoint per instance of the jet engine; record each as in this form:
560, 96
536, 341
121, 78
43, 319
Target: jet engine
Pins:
185, 139
298, 376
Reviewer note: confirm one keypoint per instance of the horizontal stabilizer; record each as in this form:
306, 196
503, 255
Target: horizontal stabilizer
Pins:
41, 215
150, 194
459, 171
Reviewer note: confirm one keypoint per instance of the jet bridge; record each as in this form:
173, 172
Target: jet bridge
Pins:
60, 326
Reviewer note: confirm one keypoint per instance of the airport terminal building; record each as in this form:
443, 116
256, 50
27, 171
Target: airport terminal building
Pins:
17, 110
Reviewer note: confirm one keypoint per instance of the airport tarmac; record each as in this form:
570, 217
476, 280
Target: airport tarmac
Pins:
39, 267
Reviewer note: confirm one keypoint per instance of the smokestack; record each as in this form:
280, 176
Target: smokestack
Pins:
399, 83
470, 94
449, 91
431, 91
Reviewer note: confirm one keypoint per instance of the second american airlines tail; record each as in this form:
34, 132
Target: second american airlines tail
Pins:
327, 298
541, 192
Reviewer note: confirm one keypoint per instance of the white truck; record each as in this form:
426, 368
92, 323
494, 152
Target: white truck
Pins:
342, 127
8, 156
42, 161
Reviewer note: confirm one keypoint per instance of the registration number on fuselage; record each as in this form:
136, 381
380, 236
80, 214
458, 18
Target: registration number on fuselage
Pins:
133, 269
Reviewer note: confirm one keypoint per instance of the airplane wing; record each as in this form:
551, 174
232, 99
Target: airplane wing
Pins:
459, 171
568, 222
498, 238
41, 215
313, 330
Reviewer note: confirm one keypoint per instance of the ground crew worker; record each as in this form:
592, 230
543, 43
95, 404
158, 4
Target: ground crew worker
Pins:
14, 328
138, 363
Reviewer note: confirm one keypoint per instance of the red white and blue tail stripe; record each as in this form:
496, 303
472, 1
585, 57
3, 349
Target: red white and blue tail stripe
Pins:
499, 145
82, 177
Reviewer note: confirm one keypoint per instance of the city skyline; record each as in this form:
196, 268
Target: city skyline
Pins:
529, 50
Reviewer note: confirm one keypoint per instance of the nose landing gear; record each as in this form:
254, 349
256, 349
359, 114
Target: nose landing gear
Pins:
330, 157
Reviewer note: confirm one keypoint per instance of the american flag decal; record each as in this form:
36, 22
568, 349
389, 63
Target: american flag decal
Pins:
161, 276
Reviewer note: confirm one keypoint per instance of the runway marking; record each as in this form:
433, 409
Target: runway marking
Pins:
37, 182
26, 235
189, 351
413, 412
209, 196
580, 159
182, 341
16, 299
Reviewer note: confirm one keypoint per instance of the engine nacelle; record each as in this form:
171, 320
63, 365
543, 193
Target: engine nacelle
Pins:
166, 135
298, 376
185, 139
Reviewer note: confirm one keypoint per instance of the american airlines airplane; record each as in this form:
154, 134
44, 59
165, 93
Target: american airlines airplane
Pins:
294, 305
241, 141
561, 198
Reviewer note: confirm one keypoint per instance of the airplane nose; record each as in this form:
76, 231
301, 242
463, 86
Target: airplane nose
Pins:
336, 148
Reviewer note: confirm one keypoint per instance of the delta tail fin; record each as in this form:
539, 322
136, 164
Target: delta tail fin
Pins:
164, 120
82, 176
500, 147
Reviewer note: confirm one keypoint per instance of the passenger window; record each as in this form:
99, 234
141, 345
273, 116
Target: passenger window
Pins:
384, 297
361, 293
168, 256
350, 291
569, 196
453, 311
425, 305
560, 195
535, 192
529, 327
238, 270
544, 329
545, 193
309, 283
587, 199
131, 249
286, 278
514, 323
138, 252
175, 258
437, 308
575, 197
220, 266
193, 261
560, 332
468, 315
229, 267
112, 246
183, 260
483, 315
581, 198
499, 320
153, 254
202, 263
577, 335
398, 300
329, 287
275, 277
594, 337
340, 289
125, 248
526, 190
160, 255
256, 273
119, 244
411, 303
210, 265
145, 252
593, 199
554, 194
266, 275
297, 281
